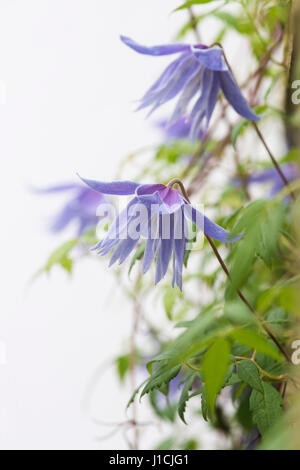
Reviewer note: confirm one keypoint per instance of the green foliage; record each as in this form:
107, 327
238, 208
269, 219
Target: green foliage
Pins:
122, 364
137, 256
248, 372
238, 130
256, 342
185, 396
191, 3
214, 367
260, 223
60, 257
265, 407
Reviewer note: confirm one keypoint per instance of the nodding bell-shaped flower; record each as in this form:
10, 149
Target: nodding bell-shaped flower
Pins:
196, 77
162, 216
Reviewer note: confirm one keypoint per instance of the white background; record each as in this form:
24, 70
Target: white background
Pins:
70, 87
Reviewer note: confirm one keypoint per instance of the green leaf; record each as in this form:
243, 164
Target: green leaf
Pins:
256, 342
237, 313
158, 380
190, 3
243, 413
59, 257
169, 301
184, 397
238, 130
241, 25
266, 407
248, 372
214, 368
137, 256
204, 407
132, 398
122, 363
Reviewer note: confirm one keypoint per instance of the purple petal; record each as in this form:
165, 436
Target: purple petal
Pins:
149, 254
123, 250
188, 93
233, 94
64, 218
179, 253
163, 258
212, 58
162, 81
174, 86
213, 96
120, 188
207, 226
155, 50
58, 188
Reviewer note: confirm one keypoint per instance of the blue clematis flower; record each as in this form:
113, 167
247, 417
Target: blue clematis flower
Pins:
270, 175
82, 207
162, 216
198, 74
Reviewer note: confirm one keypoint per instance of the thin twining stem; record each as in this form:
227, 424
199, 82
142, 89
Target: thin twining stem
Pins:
243, 298
261, 137
181, 185
225, 269
279, 170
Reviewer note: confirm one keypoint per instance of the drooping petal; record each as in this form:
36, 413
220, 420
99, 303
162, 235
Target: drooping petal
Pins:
212, 97
163, 258
123, 250
57, 188
119, 188
212, 58
208, 226
179, 253
200, 108
166, 49
161, 82
188, 93
148, 255
63, 219
117, 230
174, 86
233, 94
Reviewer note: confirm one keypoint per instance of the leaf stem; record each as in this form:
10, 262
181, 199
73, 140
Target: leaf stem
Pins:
264, 372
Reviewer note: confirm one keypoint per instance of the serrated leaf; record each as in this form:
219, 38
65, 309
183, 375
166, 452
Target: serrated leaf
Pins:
256, 342
248, 372
214, 368
184, 397
158, 380
265, 407
132, 398
232, 380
